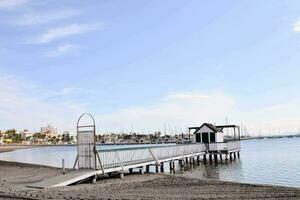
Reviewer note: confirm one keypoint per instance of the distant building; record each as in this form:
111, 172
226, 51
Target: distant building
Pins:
25, 134
49, 131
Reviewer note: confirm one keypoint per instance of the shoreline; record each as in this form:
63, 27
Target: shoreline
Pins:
12, 147
15, 176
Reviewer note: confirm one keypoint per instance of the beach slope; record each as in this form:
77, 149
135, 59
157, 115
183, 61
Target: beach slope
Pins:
15, 176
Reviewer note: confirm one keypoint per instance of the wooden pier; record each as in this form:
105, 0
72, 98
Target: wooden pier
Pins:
142, 158
90, 162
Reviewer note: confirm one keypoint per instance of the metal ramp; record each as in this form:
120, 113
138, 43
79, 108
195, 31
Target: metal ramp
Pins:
64, 179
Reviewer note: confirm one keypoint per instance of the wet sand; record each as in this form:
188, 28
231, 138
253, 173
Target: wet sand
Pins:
7, 148
12, 147
15, 176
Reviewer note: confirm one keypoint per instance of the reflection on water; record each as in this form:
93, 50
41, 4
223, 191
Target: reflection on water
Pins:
265, 161
213, 170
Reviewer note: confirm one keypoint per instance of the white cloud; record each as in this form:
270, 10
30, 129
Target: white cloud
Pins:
297, 26
26, 105
11, 4
178, 110
44, 18
183, 109
278, 118
66, 49
69, 30
23, 105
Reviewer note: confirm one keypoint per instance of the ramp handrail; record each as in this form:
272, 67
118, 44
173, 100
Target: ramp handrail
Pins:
130, 156
224, 146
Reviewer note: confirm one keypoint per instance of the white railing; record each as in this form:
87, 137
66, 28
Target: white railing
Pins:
123, 157
224, 146
233, 145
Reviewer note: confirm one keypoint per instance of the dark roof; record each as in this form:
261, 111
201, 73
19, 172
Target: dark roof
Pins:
210, 126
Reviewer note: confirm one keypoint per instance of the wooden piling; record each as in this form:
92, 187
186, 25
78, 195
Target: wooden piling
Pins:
162, 167
221, 158
156, 169
147, 168
63, 166
191, 160
141, 171
210, 157
130, 170
171, 166
216, 157
94, 179
238, 153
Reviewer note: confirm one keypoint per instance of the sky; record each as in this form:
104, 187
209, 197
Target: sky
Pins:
137, 65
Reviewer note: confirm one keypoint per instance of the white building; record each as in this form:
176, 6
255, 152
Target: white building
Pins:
49, 131
25, 133
208, 133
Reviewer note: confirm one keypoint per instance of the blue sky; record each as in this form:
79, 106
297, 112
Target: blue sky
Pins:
137, 64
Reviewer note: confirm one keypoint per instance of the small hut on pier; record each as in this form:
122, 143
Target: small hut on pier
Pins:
215, 139
208, 133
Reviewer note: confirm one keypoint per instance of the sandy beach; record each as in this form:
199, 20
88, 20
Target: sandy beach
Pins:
15, 176
7, 148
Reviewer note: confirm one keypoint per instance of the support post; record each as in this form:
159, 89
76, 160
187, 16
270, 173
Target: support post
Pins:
204, 158
94, 180
216, 157
181, 163
147, 168
210, 157
198, 159
63, 166
171, 166
156, 169
162, 167
141, 171
221, 158
238, 153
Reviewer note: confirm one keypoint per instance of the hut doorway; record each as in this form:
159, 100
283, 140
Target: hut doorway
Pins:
205, 138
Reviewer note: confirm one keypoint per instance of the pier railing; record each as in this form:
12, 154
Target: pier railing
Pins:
224, 146
111, 158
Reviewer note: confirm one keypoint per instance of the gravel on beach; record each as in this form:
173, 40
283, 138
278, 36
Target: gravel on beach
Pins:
15, 176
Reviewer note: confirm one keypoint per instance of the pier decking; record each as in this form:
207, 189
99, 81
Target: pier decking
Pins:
125, 159
92, 162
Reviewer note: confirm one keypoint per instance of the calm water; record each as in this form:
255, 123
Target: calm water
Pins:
266, 161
